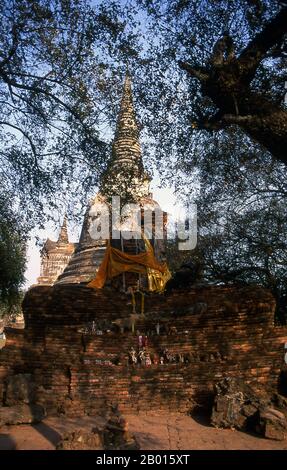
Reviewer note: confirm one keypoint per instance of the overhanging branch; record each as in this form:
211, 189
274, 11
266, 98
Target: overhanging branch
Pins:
223, 51
271, 35
197, 72
25, 134
220, 121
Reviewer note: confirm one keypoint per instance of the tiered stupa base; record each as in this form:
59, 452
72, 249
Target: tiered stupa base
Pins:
83, 266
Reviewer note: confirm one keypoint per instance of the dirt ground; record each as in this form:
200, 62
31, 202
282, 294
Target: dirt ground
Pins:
154, 431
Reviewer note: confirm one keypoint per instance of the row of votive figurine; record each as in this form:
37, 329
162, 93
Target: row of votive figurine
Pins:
93, 328
143, 357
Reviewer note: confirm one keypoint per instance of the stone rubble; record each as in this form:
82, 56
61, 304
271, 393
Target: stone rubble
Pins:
238, 406
114, 435
21, 414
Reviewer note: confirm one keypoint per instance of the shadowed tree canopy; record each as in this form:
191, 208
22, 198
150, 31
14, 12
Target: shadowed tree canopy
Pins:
55, 79
203, 66
242, 218
212, 65
12, 254
227, 80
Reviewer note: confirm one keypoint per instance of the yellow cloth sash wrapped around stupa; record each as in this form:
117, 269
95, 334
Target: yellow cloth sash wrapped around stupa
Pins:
116, 262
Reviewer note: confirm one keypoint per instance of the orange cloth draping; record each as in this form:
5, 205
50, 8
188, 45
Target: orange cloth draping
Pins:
116, 262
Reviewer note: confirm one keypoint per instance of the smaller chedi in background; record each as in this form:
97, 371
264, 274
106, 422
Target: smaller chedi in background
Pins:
55, 256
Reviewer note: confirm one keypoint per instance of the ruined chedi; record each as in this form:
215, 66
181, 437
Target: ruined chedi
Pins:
55, 256
125, 177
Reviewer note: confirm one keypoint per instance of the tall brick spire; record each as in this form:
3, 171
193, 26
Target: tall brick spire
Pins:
126, 146
125, 175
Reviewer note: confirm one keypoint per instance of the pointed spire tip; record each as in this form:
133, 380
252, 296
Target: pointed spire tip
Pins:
63, 235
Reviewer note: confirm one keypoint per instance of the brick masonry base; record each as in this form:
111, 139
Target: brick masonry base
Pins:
218, 331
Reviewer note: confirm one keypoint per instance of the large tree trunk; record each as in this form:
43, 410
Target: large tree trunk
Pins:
226, 80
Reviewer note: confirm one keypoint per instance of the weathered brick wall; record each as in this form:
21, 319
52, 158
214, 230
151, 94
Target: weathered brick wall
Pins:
220, 331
